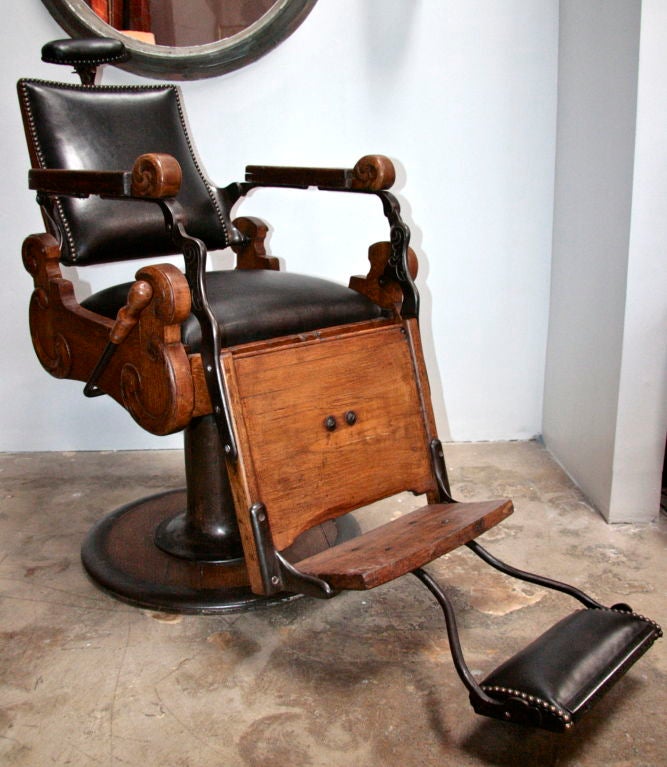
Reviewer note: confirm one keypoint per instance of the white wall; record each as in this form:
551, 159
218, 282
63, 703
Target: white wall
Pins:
597, 82
642, 414
461, 94
605, 392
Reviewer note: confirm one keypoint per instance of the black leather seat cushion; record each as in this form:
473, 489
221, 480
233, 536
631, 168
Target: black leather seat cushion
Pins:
253, 305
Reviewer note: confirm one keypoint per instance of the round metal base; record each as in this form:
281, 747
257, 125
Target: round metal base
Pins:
121, 557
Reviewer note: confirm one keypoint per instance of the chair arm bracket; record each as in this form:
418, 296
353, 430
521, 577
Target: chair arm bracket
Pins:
373, 174
194, 254
440, 471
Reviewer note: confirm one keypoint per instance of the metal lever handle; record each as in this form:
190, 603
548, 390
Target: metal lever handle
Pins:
128, 316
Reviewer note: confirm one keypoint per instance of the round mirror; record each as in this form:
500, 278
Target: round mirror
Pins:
184, 39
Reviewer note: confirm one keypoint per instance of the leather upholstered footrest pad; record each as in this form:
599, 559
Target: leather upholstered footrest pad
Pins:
559, 676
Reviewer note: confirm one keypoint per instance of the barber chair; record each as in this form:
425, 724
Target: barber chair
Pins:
301, 400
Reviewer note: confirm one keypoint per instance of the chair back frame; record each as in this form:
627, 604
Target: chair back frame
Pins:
105, 128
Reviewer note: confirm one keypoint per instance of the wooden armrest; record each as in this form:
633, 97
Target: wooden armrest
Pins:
372, 173
398, 547
153, 176
81, 183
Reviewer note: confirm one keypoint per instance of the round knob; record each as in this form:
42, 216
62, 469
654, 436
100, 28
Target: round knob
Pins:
330, 422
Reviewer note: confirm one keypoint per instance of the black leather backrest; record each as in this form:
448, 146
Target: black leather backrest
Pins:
107, 128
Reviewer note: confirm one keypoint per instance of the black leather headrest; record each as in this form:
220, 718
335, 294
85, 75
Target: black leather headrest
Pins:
92, 52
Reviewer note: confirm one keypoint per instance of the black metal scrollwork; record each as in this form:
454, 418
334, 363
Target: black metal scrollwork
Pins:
397, 266
194, 254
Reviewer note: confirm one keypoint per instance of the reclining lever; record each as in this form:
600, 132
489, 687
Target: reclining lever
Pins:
137, 300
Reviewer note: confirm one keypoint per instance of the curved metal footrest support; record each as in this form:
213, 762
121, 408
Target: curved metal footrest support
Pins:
561, 674
538, 580
454, 642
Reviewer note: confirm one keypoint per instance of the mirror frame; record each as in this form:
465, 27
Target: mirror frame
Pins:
189, 62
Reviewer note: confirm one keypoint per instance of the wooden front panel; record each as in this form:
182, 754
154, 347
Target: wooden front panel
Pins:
291, 462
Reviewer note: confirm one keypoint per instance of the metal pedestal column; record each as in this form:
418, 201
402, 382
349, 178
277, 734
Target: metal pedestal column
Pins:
178, 551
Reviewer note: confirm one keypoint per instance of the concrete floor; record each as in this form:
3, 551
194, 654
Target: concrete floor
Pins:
363, 680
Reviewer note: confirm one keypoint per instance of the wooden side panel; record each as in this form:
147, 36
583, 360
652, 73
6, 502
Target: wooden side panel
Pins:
326, 426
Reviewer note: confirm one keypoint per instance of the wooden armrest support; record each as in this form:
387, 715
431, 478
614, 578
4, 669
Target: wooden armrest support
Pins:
153, 176
379, 284
398, 547
150, 373
251, 253
372, 173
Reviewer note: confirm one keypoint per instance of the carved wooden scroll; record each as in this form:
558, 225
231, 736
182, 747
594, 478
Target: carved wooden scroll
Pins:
372, 173
156, 175
155, 382
378, 284
252, 253
149, 374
